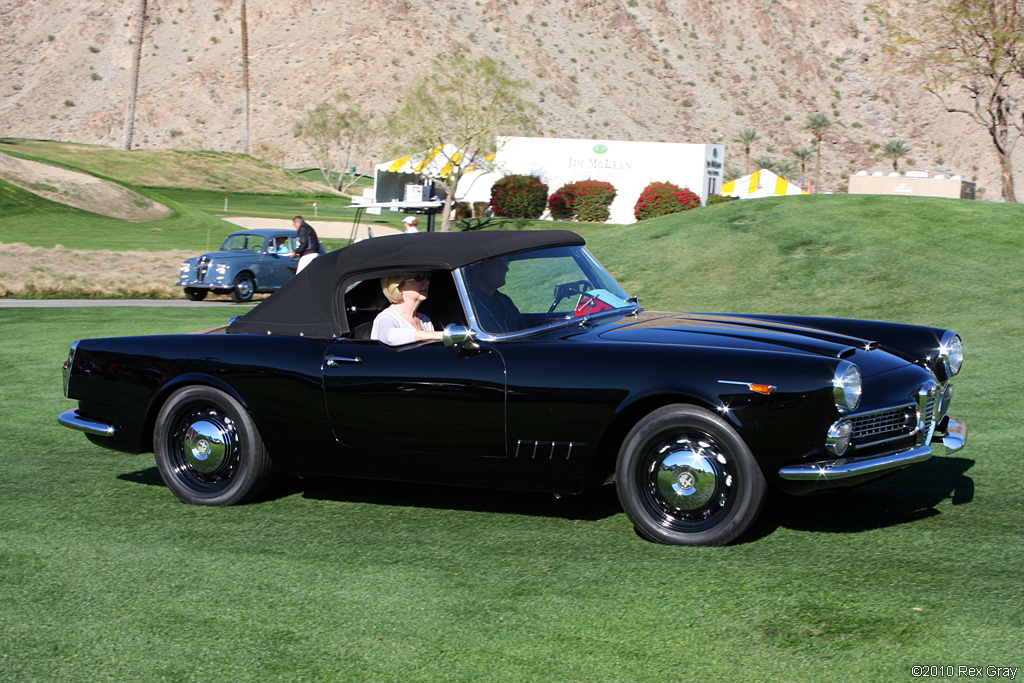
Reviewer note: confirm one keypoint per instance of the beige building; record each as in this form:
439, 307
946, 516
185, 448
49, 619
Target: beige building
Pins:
915, 183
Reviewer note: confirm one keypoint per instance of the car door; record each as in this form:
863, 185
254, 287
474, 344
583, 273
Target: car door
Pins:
425, 399
282, 266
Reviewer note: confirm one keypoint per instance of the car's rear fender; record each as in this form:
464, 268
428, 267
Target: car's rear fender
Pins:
161, 395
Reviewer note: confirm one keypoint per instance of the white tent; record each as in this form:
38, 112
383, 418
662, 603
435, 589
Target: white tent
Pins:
439, 162
761, 183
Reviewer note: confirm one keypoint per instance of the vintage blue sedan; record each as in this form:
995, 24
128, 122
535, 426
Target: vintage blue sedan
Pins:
549, 377
249, 262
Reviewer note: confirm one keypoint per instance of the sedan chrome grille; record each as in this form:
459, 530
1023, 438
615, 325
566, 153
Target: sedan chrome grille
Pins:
202, 267
884, 425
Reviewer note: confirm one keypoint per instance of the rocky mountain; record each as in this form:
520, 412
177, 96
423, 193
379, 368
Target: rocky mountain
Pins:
663, 70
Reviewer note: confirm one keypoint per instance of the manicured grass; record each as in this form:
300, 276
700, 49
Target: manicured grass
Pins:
105, 576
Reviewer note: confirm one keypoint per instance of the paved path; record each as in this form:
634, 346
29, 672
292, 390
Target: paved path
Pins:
332, 229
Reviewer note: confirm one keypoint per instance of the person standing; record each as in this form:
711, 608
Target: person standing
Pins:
411, 224
308, 247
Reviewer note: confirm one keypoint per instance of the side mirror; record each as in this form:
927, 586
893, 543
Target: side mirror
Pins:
457, 335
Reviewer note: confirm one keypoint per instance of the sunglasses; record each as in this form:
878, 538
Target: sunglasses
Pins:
418, 278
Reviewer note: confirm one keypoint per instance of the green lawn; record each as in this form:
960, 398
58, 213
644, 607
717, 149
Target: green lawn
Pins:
105, 576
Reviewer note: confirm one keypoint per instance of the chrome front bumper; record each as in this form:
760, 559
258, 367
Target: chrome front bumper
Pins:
73, 420
953, 438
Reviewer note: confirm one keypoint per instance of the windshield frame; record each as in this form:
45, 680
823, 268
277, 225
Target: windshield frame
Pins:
586, 262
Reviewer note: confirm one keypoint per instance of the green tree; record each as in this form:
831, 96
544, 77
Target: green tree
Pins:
818, 124
972, 48
895, 150
336, 138
746, 137
459, 108
786, 168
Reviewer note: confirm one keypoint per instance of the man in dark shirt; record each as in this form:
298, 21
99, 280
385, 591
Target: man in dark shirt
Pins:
308, 247
495, 311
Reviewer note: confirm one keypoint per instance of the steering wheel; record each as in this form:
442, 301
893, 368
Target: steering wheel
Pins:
566, 290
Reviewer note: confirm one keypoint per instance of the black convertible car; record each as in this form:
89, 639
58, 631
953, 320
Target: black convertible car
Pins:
567, 385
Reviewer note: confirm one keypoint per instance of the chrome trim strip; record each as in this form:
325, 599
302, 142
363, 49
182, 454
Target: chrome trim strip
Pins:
73, 420
843, 468
335, 361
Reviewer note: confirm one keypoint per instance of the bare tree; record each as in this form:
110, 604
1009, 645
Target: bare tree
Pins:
336, 138
458, 109
970, 55
140, 27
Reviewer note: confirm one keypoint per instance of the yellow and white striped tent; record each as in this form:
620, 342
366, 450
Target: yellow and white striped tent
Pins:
438, 162
761, 183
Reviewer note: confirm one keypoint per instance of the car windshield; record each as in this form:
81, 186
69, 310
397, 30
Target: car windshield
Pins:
521, 291
235, 243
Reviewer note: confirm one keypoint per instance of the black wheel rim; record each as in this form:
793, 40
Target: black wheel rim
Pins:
685, 480
204, 448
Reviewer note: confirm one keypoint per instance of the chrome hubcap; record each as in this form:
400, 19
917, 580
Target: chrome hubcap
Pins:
205, 446
687, 479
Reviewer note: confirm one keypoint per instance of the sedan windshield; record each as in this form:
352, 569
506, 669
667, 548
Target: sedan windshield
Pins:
520, 291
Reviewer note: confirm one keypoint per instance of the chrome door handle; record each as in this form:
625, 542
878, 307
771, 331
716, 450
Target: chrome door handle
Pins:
335, 361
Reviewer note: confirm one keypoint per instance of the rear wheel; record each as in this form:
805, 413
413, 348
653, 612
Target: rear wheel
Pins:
193, 294
243, 288
208, 450
685, 477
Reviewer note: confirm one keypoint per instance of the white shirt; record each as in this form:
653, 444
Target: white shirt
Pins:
391, 328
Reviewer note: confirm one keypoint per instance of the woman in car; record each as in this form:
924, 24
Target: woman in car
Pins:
400, 323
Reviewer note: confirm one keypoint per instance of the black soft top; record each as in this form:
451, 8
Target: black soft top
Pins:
311, 304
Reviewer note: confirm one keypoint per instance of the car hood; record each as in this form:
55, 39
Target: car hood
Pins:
752, 334
221, 255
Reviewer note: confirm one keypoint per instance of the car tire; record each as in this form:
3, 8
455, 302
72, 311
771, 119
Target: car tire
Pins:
193, 294
208, 450
243, 288
685, 477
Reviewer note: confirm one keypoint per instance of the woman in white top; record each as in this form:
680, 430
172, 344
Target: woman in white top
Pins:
399, 323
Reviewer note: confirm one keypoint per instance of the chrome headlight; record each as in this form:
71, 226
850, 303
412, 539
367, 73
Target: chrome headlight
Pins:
839, 436
846, 386
951, 353
186, 267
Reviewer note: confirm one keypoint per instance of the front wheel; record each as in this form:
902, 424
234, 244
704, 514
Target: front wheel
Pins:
685, 477
193, 294
208, 450
243, 288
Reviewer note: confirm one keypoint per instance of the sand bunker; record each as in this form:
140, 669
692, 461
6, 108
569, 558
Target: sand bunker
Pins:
80, 190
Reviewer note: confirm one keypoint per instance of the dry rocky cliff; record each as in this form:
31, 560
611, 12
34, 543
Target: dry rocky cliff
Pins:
663, 70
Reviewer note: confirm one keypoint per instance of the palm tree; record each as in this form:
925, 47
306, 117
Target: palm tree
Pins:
129, 124
785, 168
803, 155
746, 137
766, 163
245, 82
817, 123
895, 150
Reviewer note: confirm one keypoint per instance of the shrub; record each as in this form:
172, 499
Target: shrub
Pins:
519, 196
584, 200
660, 199
717, 199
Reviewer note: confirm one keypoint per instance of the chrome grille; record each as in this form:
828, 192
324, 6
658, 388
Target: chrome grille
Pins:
884, 425
202, 267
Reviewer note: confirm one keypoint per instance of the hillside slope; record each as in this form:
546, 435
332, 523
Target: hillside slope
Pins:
663, 70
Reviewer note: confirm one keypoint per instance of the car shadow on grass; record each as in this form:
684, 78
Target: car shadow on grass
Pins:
900, 498
906, 496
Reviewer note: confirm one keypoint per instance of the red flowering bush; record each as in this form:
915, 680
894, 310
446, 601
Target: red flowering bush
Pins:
519, 196
584, 200
659, 199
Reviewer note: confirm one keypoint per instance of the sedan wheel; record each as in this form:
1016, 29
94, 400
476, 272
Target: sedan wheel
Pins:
685, 477
208, 450
193, 294
243, 288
